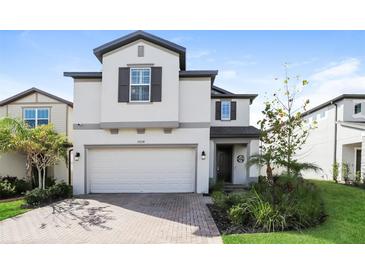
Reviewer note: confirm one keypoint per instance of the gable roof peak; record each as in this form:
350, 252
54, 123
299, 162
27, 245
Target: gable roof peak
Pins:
140, 34
31, 91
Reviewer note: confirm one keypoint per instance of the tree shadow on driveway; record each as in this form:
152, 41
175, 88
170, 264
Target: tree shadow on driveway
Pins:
85, 215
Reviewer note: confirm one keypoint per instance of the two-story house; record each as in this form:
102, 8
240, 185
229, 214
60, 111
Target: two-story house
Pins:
147, 124
338, 138
36, 107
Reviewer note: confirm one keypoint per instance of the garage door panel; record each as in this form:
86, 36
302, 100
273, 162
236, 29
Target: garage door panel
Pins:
112, 170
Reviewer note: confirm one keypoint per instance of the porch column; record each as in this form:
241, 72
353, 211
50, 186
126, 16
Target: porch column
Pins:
253, 171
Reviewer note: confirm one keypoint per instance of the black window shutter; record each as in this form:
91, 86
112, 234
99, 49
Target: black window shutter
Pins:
233, 110
218, 110
156, 79
123, 85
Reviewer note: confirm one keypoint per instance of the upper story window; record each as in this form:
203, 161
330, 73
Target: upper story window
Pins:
226, 110
140, 90
357, 108
36, 116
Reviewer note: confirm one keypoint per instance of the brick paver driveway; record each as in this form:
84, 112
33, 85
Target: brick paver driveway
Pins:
116, 218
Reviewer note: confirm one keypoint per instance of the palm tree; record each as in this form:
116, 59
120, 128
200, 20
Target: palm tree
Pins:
261, 160
297, 168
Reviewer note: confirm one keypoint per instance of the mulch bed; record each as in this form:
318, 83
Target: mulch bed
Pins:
224, 225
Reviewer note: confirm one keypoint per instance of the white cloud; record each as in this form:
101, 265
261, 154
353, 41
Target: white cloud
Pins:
345, 68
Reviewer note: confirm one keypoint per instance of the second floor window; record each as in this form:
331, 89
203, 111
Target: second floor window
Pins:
140, 88
36, 116
225, 110
357, 108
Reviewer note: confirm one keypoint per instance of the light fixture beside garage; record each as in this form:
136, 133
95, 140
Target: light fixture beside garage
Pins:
203, 155
77, 156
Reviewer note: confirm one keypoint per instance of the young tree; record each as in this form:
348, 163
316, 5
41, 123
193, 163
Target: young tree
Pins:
283, 131
42, 145
285, 122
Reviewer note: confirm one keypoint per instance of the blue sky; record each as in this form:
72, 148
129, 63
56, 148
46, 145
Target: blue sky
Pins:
248, 61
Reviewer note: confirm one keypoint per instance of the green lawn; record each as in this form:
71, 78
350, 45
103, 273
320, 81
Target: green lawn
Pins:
345, 224
11, 209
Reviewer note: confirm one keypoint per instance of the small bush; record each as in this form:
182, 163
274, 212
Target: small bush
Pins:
216, 186
219, 199
38, 197
22, 186
6, 190
239, 214
235, 198
335, 171
60, 191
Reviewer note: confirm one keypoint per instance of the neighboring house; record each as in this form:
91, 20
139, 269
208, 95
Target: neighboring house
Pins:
146, 124
339, 136
36, 107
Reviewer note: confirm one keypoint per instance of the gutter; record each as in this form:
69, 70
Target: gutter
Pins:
69, 166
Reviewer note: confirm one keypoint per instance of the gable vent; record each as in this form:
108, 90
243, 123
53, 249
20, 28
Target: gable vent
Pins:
140, 51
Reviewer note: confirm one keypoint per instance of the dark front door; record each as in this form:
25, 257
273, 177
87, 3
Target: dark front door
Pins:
358, 160
224, 163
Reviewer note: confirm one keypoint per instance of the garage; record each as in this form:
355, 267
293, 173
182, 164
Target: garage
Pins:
141, 169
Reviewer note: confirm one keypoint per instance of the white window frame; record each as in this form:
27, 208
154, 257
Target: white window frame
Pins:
230, 109
36, 114
355, 108
130, 86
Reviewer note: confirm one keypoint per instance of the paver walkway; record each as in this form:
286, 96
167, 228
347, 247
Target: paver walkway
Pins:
116, 218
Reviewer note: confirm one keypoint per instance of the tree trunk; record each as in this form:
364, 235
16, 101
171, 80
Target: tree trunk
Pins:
44, 178
39, 178
28, 166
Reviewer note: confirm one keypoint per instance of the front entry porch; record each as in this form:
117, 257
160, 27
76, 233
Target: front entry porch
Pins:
351, 158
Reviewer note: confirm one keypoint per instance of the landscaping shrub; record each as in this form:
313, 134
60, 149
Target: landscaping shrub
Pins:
20, 185
215, 186
6, 190
219, 199
60, 191
297, 204
38, 197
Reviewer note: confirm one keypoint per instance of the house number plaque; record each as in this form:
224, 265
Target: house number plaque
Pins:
240, 158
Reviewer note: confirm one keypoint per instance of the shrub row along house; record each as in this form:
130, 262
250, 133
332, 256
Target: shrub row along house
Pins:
144, 123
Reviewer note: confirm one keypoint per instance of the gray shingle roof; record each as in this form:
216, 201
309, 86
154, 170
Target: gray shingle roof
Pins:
234, 132
334, 100
30, 91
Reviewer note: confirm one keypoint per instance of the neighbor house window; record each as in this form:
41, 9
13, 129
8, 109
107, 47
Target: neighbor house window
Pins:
36, 116
357, 108
140, 88
225, 110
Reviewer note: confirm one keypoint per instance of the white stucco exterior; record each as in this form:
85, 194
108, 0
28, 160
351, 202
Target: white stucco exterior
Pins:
186, 107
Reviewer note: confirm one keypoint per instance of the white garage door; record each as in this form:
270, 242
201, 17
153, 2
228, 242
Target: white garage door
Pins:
133, 170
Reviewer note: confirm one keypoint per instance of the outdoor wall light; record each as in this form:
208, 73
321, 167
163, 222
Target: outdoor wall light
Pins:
77, 156
203, 155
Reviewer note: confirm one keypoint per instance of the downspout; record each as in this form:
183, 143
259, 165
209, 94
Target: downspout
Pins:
335, 141
69, 166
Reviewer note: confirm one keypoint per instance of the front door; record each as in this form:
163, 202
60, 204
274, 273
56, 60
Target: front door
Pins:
358, 160
224, 163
